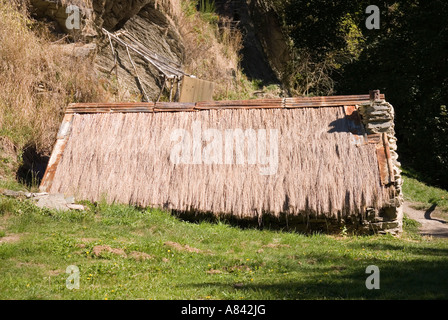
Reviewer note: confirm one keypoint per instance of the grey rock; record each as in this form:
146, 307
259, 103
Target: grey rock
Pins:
70, 199
53, 201
12, 193
379, 127
38, 195
78, 207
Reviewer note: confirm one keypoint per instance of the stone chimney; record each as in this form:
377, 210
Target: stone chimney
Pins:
378, 119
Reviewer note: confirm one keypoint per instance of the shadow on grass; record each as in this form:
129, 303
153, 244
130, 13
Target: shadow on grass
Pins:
412, 280
407, 272
405, 248
284, 222
430, 211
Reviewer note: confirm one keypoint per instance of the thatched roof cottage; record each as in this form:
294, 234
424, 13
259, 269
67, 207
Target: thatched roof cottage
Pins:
314, 159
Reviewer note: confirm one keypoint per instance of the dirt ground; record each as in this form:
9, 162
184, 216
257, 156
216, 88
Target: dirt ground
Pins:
430, 226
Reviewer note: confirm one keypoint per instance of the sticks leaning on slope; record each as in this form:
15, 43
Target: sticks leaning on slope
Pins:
136, 74
169, 71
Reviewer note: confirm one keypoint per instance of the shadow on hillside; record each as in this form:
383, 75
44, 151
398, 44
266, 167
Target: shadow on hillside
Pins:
32, 168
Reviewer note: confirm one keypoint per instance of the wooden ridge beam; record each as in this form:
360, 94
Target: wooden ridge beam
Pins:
276, 103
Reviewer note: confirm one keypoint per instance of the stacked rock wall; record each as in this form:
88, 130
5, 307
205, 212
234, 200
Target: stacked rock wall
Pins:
378, 118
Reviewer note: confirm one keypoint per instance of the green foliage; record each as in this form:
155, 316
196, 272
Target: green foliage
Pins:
406, 59
321, 26
324, 36
207, 6
207, 11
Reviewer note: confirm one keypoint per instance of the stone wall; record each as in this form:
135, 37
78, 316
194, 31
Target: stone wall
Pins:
378, 118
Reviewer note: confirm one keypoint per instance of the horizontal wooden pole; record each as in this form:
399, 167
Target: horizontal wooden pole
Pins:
277, 103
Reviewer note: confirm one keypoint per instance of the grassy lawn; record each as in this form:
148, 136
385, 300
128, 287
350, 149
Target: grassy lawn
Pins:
126, 253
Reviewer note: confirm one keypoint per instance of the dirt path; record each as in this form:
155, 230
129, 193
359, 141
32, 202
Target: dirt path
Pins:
429, 226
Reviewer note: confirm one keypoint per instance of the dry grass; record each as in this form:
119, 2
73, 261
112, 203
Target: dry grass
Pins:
212, 52
37, 81
126, 158
180, 247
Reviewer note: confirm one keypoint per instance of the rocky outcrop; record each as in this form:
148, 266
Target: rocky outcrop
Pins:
265, 52
151, 27
148, 21
55, 12
154, 23
269, 32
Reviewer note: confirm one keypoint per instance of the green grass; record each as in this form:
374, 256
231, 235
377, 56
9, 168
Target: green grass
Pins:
207, 10
230, 262
11, 184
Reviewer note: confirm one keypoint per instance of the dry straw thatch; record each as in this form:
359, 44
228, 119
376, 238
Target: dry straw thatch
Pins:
125, 157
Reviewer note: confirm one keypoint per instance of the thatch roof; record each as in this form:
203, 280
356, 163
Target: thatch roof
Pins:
321, 161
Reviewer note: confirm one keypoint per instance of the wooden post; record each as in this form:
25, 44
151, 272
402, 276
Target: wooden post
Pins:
163, 87
374, 95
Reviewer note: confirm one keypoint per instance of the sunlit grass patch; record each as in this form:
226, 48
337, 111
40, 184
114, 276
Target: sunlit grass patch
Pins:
203, 260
